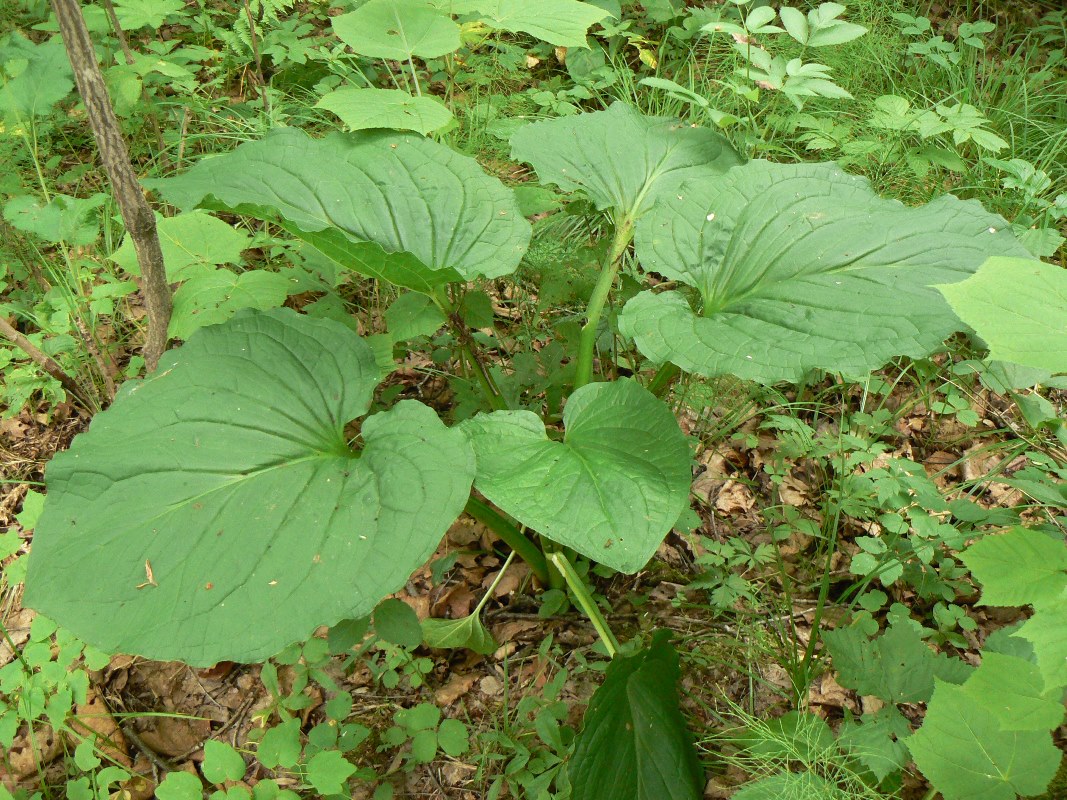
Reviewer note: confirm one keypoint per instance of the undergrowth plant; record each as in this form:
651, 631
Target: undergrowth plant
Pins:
260, 483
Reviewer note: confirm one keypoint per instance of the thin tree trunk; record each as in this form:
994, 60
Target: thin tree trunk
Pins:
136, 213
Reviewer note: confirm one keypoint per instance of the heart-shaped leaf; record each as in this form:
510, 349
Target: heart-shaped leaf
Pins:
392, 205
398, 30
800, 267
216, 512
466, 632
634, 743
611, 489
620, 158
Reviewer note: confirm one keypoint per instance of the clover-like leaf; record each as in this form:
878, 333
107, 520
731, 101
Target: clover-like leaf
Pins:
398, 30
216, 511
801, 267
1019, 306
619, 157
611, 489
392, 205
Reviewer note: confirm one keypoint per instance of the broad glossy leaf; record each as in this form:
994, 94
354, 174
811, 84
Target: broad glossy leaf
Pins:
398, 29
216, 512
801, 267
1018, 567
611, 489
965, 754
560, 22
399, 206
634, 744
360, 109
619, 157
1019, 306
210, 296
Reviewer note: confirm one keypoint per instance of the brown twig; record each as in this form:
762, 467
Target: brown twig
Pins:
47, 363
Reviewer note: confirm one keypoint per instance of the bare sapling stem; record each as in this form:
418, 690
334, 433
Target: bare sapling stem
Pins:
136, 214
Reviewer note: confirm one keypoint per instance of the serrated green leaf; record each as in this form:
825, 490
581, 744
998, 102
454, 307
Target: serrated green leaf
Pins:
582, 153
611, 489
964, 753
791, 785
193, 238
453, 738
413, 314
468, 632
1019, 306
1018, 567
801, 267
45, 78
228, 474
397, 30
135, 14
897, 666
1011, 690
61, 219
877, 741
402, 207
280, 745
328, 772
634, 725
360, 109
209, 296
1046, 631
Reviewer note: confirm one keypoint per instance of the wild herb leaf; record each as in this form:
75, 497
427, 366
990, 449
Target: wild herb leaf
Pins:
392, 205
611, 489
620, 158
1018, 567
398, 30
360, 109
800, 267
216, 512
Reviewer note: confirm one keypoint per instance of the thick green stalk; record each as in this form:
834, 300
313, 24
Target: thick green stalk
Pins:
664, 377
512, 536
624, 233
586, 601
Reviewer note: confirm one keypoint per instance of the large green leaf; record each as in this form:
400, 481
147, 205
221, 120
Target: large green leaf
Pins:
398, 29
216, 511
396, 205
1011, 689
1018, 567
634, 744
361, 109
619, 157
800, 267
611, 489
966, 755
559, 22
1019, 306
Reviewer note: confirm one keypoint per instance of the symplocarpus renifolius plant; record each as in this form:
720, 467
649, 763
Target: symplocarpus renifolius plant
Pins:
218, 511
